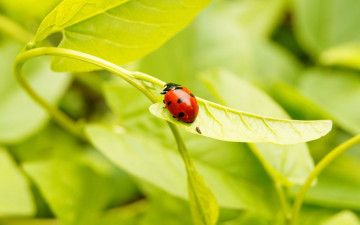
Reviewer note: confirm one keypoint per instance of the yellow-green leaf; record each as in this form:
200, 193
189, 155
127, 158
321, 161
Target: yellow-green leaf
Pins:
15, 194
223, 123
344, 217
203, 204
343, 55
117, 31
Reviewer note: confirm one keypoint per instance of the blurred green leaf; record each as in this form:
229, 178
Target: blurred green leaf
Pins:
313, 215
223, 43
16, 124
28, 12
295, 103
150, 161
130, 214
322, 24
19, 221
342, 218
203, 204
343, 55
118, 31
167, 209
218, 39
126, 106
78, 188
248, 218
16, 197
292, 161
338, 186
339, 93
256, 16
75, 193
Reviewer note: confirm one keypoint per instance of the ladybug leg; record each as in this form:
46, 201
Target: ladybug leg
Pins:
174, 116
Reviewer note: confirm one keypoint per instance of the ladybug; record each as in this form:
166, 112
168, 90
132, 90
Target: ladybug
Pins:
180, 102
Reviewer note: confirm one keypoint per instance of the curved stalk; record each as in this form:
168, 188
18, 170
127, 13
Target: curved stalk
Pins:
59, 116
318, 169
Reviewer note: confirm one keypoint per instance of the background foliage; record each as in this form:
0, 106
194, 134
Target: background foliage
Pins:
276, 58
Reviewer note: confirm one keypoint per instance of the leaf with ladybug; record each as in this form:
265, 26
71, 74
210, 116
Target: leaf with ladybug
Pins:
223, 123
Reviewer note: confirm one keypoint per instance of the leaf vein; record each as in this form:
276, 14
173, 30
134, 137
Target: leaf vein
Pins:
116, 17
268, 126
105, 40
208, 110
243, 120
294, 127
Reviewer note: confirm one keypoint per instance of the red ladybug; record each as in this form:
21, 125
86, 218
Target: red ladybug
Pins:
180, 102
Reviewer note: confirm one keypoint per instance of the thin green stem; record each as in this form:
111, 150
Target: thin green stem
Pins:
59, 116
14, 30
181, 146
278, 180
284, 203
331, 156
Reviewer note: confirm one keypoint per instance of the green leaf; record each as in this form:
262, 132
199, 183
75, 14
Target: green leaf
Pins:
147, 160
117, 31
343, 55
248, 218
19, 221
166, 208
223, 123
341, 218
221, 38
339, 93
338, 186
19, 10
320, 25
222, 42
203, 204
16, 197
256, 16
312, 215
76, 189
291, 161
16, 124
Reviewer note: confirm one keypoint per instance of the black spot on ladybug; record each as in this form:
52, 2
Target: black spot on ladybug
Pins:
181, 114
179, 87
169, 102
191, 94
198, 130
180, 100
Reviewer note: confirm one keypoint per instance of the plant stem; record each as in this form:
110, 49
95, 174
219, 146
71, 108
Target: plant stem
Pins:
14, 30
279, 188
181, 146
278, 180
331, 156
58, 115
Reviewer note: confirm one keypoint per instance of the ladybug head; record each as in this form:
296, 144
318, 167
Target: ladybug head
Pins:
169, 86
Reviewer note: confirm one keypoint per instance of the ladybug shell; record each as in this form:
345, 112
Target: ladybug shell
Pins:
182, 104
